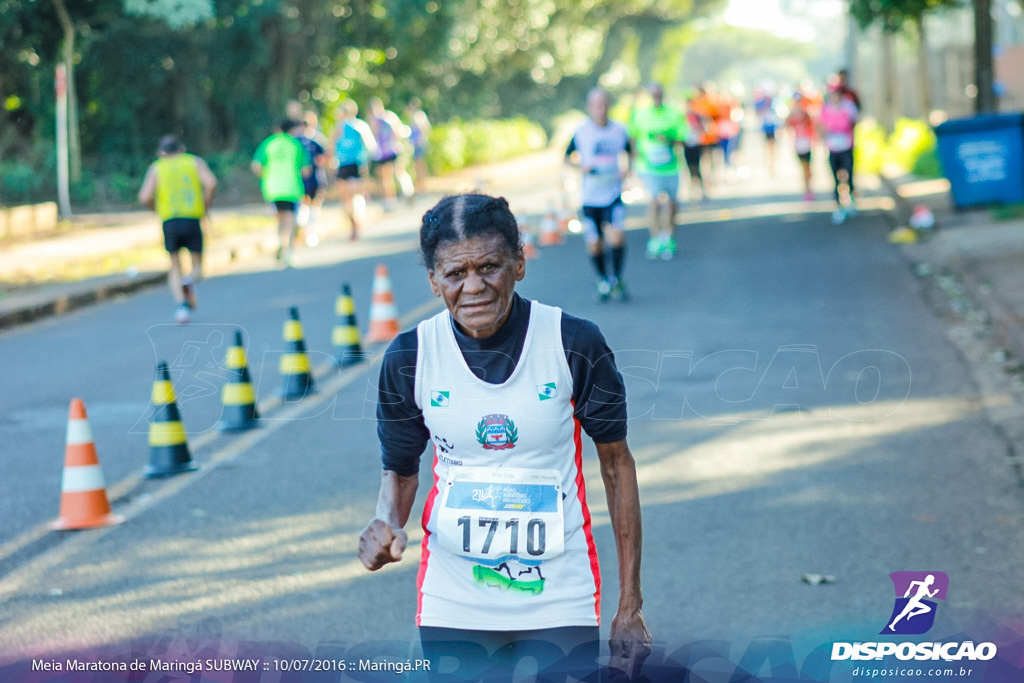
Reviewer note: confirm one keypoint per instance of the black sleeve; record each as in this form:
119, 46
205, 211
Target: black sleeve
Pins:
403, 434
598, 392
629, 146
572, 146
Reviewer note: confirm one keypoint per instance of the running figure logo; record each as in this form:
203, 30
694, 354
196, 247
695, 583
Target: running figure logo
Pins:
914, 612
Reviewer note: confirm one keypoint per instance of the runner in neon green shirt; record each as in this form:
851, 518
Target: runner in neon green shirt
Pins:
656, 131
281, 162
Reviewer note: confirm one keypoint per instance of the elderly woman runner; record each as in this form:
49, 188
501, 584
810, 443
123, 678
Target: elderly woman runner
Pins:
502, 386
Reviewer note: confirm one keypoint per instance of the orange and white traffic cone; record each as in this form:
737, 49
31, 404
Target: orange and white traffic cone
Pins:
383, 312
530, 250
550, 234
83, 500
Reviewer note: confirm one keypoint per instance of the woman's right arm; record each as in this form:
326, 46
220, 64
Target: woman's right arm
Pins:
403, 436
383, 540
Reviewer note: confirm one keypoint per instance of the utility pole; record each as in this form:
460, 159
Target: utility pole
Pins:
63, 185
984, 73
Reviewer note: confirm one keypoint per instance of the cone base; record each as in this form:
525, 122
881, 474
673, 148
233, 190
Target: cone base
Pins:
237, 426
238, 418
347, 358
153, 472
62, 524
381, 337
297, 387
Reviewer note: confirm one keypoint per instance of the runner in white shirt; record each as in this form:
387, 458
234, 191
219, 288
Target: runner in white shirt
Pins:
600, 148
504, 388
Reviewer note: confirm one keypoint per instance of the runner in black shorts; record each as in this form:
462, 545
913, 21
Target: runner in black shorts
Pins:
600, 148
180, 187
600, 216
183, 233
314, 185
349, 172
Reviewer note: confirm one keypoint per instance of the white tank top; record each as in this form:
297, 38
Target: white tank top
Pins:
508, 543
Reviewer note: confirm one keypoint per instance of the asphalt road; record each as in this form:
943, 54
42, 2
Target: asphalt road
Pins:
795, 409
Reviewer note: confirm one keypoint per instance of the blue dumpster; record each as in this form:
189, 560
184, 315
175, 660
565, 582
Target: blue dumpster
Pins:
983, 158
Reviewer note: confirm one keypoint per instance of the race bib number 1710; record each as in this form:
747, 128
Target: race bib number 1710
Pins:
493, 514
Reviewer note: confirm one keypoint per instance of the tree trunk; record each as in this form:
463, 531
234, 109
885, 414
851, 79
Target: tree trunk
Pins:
888, 113
983, 70
924, 76
68, 56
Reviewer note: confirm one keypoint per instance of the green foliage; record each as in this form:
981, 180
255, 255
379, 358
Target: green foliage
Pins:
457, 144
927, 165
219, 72
1007, 212
175, 13
909, 140
869, 142
911, 147
19, 183
894, 16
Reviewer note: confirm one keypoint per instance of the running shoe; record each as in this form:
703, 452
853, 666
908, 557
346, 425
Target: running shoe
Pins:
188, 288
668, 249
619, 292
604, 289
851, 208
182, 314
653, 248
838, 216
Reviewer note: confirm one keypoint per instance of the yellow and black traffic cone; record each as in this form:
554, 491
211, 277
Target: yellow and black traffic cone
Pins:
294, 365
345, 335
237, 396
168, 447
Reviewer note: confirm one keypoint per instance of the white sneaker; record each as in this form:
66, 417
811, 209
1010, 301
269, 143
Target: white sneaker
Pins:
838, 216
182, 314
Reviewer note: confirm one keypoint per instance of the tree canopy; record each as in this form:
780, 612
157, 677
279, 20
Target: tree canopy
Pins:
894, 16
219, 72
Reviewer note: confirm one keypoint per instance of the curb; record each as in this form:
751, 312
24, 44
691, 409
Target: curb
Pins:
1007, 327
65, 303
901, 214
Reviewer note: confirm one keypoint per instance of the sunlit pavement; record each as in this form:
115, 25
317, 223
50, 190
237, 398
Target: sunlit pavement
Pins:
795, 410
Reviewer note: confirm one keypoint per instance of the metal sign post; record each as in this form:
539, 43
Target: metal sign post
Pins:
63, 187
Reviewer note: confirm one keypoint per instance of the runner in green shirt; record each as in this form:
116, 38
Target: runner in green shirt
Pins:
656, 131
281, 162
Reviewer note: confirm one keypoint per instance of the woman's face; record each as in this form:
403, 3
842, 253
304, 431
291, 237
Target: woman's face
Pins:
476, 279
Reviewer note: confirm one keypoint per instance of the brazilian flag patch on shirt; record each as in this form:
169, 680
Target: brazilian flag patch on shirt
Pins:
546, 391
439, 399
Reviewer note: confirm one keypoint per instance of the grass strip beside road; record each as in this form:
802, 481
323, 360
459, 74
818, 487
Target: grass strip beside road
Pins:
220, 232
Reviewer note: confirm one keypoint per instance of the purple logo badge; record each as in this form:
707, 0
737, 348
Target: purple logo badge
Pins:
916, 593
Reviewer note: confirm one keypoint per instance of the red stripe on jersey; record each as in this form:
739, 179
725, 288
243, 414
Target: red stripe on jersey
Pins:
428, 508
581, 494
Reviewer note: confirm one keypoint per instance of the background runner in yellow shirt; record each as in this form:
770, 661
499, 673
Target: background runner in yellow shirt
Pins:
180, 187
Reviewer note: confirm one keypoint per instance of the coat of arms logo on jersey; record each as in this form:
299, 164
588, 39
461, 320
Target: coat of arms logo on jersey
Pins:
497, 432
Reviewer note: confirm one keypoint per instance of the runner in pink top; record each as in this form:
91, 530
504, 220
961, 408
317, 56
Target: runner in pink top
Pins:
836, 122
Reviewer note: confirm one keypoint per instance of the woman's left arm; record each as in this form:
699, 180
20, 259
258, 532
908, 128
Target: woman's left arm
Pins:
629, 639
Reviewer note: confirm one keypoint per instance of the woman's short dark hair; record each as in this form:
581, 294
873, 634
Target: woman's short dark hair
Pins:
465, 216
